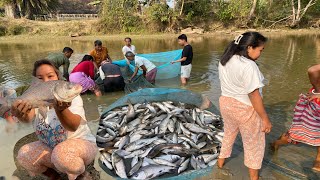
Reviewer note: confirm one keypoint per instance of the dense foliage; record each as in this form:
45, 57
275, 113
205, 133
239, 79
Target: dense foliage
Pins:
157, 16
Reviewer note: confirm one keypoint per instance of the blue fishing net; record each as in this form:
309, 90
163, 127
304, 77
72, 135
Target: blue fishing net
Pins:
162, 60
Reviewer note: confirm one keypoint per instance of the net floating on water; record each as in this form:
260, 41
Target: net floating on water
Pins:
162, 60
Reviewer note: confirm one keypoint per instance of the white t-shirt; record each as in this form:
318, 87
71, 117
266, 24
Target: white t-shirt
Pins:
50, 131
139, 61
239, 77
126, 49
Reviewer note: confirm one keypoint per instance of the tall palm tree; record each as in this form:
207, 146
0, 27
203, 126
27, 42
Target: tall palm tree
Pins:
34, 7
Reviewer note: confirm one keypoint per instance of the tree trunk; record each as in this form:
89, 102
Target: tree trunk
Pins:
253, 8
296, 14
10, 10
181, 10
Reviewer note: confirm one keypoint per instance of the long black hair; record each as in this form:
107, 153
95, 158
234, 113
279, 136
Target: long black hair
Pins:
41, 62
86, 58
240, 45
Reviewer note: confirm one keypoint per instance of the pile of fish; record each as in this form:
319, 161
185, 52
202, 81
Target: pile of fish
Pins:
144, 141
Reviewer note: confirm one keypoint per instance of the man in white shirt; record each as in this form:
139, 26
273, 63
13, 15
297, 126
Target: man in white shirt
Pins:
148, 68
128, 47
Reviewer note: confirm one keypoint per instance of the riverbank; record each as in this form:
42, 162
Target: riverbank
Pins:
23, 29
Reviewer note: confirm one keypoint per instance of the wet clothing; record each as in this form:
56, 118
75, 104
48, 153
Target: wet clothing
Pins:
112, 84
85, 81
68, 152
87, 67
239, 117
188, 53
99, 56
305, 127
112, 77
58, 60
126, 49
239, 77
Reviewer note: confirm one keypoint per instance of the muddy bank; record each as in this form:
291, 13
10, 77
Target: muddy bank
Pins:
219, 34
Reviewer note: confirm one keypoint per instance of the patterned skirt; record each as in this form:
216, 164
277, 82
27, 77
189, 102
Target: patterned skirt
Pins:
305, 126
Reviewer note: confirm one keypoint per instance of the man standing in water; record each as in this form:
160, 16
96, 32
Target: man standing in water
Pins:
186, 59
99, 53
62, 59
128, 47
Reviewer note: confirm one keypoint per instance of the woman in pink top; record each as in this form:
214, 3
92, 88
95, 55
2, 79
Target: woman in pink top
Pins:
83, 74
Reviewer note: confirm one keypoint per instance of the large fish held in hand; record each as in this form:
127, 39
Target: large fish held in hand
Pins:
43, 94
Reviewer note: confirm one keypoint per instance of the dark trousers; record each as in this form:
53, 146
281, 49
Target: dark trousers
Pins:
112, 84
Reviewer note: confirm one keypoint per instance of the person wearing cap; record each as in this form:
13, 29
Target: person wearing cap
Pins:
148, 68
111, 76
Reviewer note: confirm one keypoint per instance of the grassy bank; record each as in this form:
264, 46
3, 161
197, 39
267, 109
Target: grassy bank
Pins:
87, 29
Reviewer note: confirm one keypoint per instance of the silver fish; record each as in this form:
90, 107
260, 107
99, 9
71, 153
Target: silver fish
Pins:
184, 166
164, 125
118, 165
106, 162
170, 158
152, 171
139, 144
213, 162
124, 141
136, 167
134, 161
197, 129
131, 113
43, 94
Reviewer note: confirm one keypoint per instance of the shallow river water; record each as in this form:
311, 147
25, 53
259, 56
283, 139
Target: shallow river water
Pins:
284, 63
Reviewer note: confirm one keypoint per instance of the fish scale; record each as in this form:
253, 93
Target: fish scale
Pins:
160, 138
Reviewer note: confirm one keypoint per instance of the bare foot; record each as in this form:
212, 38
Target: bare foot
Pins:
221, 162
316, 166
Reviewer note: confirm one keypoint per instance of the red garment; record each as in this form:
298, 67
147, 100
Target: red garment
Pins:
315, 100
86, 67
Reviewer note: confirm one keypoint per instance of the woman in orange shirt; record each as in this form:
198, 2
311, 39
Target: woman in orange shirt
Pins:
99, 53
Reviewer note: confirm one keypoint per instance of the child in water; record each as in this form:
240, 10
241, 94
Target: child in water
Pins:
305, 126
241, 102
65, 141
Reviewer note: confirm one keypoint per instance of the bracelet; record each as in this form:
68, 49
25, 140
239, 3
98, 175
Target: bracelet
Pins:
314, 92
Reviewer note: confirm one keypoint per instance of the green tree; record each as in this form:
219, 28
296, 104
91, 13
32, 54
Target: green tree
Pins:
28, 8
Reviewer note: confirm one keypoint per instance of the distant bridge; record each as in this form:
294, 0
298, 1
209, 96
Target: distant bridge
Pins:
64, 17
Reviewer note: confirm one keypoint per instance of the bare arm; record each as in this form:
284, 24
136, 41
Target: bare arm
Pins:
179, 60
144, 70
135, 73
68, 120
314, 77
258, 106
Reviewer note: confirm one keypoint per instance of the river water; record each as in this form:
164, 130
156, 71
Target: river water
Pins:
284, 63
